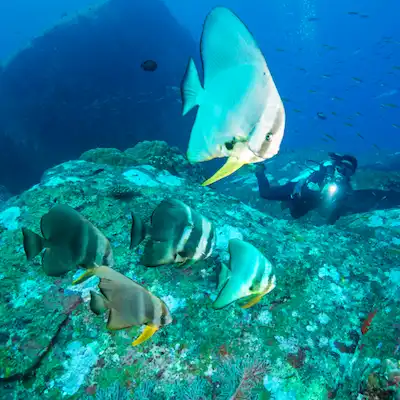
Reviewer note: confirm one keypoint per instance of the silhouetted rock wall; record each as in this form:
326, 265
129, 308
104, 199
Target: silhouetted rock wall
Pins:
80, 86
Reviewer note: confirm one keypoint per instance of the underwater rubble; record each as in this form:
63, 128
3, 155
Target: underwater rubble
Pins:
330, 329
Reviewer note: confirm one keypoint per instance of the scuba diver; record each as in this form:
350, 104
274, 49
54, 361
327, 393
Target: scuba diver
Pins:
327, 189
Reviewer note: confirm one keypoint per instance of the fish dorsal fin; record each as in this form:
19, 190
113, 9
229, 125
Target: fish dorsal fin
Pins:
105, 272
241, 253
60, 222
226, 42
107, 287
116, 321
110, 286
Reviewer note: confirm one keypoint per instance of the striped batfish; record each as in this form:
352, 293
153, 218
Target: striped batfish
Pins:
247, 279
240, 112
69, 240
178, 234
129, 303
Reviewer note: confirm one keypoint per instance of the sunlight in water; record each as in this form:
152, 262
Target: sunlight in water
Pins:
307, 26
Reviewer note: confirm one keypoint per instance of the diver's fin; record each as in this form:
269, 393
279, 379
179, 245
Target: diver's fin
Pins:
85, 276
190, 88
147, 333
226, 42
116, 321
138, 231
97, 303
227, 169
33, 243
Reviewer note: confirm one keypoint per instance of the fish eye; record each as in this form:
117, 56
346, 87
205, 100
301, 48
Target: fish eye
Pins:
268, 136
229, 145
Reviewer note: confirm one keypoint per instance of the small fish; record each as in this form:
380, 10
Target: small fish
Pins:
358, 114
359, 80
149, 65
334, 113
279, 49
129, 303
321, 115
359, 135
364, 16
312, 91
248, 278
348, 124
389, 105
326, 76
296, 110
328, 47
396, 67
330, 137
396, 126
69, 240
367, 323
178, 234
337, 98
352, 12
376, 146
239, 85
313, 19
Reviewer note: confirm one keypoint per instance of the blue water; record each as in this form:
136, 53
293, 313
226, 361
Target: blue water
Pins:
363, 47
322, 58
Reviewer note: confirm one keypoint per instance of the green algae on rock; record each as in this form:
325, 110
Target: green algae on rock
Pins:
303, 340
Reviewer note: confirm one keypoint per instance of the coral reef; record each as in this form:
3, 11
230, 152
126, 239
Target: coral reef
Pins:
330, 324
155, 153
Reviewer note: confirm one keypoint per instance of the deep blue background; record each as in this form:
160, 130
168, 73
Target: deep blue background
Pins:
314, 52
363, 47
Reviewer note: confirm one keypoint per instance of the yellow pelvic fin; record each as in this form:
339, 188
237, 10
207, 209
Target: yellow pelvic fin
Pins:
85, 276
254, 300
147, 333
227, 169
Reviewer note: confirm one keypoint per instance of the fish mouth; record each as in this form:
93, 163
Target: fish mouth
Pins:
231, 166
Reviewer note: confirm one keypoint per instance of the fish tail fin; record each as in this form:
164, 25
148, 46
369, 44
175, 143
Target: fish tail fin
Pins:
147, 333
97, 303
190, 88
33, 243
138, 231
85, 276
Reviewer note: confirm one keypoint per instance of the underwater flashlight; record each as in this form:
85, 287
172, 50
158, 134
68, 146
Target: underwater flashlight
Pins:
332, 189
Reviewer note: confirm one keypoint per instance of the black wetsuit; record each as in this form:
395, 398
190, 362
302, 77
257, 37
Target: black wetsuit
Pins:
300, 199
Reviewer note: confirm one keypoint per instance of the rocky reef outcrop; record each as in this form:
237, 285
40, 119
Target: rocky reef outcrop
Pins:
332, 317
